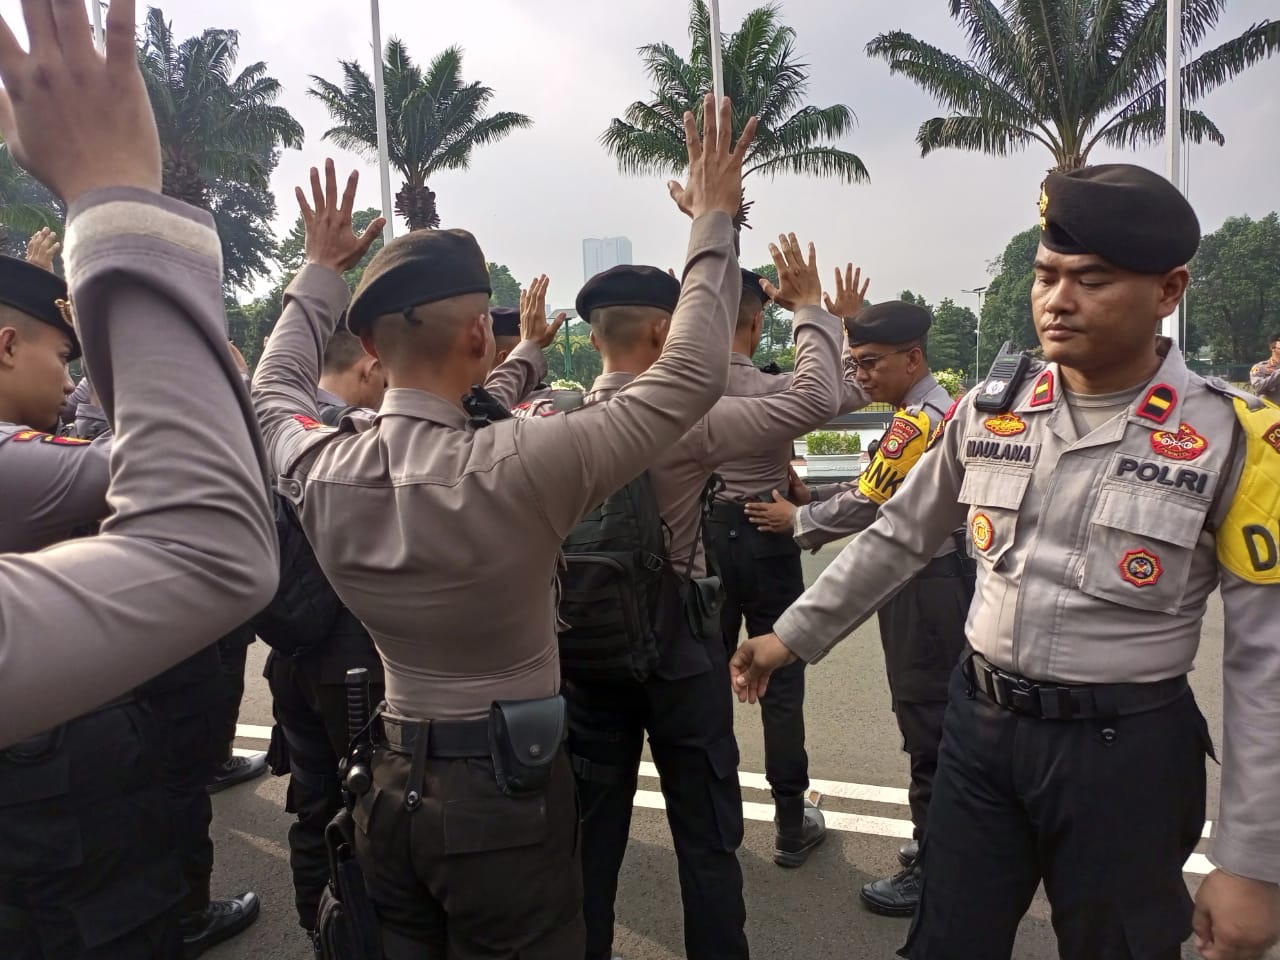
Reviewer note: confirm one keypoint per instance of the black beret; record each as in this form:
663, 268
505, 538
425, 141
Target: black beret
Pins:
628, 286
1128, 215
893, 322
423, 266
506, 321
36, 292
751, 284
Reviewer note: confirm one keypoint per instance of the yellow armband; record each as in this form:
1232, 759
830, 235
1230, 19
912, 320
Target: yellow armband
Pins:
1249, 537
900, 450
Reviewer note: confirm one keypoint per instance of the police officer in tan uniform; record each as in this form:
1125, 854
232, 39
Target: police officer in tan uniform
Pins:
468, 836
86, 873
1264, 377
762, 576
922, 627
1107, 494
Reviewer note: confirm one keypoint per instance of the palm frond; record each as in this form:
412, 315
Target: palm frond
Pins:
975, 133
827, 162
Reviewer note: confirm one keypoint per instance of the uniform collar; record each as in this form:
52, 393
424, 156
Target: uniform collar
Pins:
919, 393
609, 383
421, 405
1045, 390
327, 399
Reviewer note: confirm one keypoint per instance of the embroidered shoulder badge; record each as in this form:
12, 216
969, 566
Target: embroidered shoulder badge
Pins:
982, 532
32, 436
1042, 393
1006, 425
1272, 436
1158, 403
1141, 568
1186, 444
311, 423
901, 432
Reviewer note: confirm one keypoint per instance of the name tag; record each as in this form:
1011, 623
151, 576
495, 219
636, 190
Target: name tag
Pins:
1000, 451
1138, 470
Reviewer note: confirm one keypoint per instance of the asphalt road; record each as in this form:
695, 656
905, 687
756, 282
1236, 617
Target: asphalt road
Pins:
812, 912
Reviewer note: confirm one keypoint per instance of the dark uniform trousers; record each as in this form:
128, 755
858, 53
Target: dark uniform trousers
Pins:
86, 866
185, 701
233, 649
309, 739
690, 724
762, 576
1105, 812
922, 631
471, 873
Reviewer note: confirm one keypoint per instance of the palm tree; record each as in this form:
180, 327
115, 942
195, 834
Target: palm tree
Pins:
220, 134
764, 79
1068, 74
434, 122
25, 204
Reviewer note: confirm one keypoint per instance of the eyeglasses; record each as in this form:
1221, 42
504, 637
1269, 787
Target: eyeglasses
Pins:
869, 363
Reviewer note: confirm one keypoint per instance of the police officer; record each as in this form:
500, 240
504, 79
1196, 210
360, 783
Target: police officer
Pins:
684, 706
308, 697
922, 627
1107, 493
189, 550
468, 836
511, 328
762, 576
1264, 377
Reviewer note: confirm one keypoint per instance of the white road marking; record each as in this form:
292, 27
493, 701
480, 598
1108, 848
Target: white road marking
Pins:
836, 820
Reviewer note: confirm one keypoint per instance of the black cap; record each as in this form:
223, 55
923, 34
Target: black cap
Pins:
628, 286
751, 284
423, 266
506, 321
1125, 214
893, 322
36, 292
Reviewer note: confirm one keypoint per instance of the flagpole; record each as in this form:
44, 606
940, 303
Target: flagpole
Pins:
99, 39
380, 112
1173, 120
717, 62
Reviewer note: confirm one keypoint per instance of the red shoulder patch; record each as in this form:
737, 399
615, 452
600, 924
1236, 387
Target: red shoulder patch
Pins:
310, 423
1186, 444
1158, 403
1272, 436
39, 436
1042, 394
900, 433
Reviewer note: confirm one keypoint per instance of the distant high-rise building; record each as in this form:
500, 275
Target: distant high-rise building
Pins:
598, 255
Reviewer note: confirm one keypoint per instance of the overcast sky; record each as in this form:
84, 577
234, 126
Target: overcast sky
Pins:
929, 224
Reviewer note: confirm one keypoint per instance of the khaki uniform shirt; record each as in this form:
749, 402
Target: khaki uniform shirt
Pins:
841, 509
765, 468
444, 538
736, 426
1264, 380
1096, 557
187, 550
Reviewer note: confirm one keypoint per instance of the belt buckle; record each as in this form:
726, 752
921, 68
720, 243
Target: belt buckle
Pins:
1022, 697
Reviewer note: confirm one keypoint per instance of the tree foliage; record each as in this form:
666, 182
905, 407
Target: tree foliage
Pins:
1234, 301
1006, 308
951, 336
572, 357
220, 136
1068, 74
765, 78
506, 289
435, 121
26, 205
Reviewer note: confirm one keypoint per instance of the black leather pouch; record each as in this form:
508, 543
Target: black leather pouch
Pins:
703, 598
524, 738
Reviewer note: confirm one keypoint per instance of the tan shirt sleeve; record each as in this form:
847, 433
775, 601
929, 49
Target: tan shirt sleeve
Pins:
911, 526
515, 378
739, 426
854, 397
1263, 380
576, 459
284, 385
188, 551
52, 485
825, 520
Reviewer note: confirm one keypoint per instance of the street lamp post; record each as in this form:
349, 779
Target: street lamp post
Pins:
380, 113
977, 329
717, 64
1173, 120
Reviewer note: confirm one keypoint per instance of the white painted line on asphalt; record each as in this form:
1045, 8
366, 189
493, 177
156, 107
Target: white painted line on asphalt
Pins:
245, 753
836, 820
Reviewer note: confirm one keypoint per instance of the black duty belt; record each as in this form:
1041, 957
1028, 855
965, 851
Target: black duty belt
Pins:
1055, 701
953, 564
445, 740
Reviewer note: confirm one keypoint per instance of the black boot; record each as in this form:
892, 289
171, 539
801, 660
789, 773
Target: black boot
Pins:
895, 896
799, 827
219, 921
908, 852
237, 770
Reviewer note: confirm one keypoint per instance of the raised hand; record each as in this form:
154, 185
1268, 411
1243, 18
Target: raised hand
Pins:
78, 121
798, 282
330, 241
715, 170
42, 248
851, 293
754, 662
533, 314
